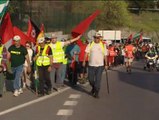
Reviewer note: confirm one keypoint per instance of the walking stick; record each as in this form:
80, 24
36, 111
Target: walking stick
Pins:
36, 81
107, 80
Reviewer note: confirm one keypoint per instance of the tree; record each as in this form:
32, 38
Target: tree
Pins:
114, 13
142, 4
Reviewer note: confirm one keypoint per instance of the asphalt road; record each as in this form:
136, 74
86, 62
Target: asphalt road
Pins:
132, 97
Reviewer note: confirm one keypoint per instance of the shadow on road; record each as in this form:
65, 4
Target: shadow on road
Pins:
79, 87
146, 80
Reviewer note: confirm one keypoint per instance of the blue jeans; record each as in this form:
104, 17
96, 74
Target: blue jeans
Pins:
17, 71
94, 76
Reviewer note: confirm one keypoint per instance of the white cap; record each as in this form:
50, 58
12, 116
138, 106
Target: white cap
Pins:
97, 34
53, 35
41, 40
150, 45
16, 38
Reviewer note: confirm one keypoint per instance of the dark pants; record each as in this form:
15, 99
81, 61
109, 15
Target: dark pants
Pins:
72, 73
83, 70
2, 79
94, 76
44, 79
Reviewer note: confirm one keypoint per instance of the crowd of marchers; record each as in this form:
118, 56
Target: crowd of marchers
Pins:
44, 67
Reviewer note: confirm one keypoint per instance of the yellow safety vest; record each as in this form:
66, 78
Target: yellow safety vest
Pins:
101, 44
65, 61
1, 53
43, 59
58, 52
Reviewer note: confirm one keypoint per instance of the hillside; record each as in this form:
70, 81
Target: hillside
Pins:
148, 21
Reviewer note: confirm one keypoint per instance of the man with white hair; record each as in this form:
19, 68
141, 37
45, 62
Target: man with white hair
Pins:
17, 54
97, 56
58, 56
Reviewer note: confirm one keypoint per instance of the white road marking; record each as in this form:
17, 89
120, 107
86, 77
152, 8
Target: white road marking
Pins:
65, 112
70, 103
32, 102
75, 96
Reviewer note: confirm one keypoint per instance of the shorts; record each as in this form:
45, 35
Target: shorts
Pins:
130, 60
110, 59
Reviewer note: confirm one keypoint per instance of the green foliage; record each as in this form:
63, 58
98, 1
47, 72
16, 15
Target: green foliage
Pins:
86, 6
142, 3
64, 15
148, 21
116, 14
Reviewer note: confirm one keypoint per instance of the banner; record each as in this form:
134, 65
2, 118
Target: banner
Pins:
33, 31
6, 29
83, 26
23, 36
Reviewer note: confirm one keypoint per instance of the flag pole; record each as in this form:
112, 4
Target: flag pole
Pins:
2, 18
106, 71
4, 13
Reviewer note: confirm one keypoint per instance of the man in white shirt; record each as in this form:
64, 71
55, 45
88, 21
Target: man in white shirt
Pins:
97, 53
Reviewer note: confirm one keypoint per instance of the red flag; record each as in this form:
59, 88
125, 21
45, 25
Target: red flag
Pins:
41, 34
33, 31
42, 27
140, 39
72, 65
83, 26
130, 38
24, 37
6, 29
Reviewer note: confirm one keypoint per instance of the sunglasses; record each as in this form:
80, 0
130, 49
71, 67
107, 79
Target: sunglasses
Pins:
97, 37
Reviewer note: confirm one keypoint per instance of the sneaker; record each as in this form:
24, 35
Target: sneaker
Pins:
96, 94
20, 91
24, 85
16, 93
55, 88
48, 92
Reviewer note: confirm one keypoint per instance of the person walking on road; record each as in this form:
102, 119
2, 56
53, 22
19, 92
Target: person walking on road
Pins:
58, 56
27, 77
97, 56
43, 60
3, 66
129, 56
17, 54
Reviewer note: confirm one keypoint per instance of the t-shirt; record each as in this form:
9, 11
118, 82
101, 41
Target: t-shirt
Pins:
54, 45
82, 52
96, 55
30, 53
70, 50
151, 53
17, 55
